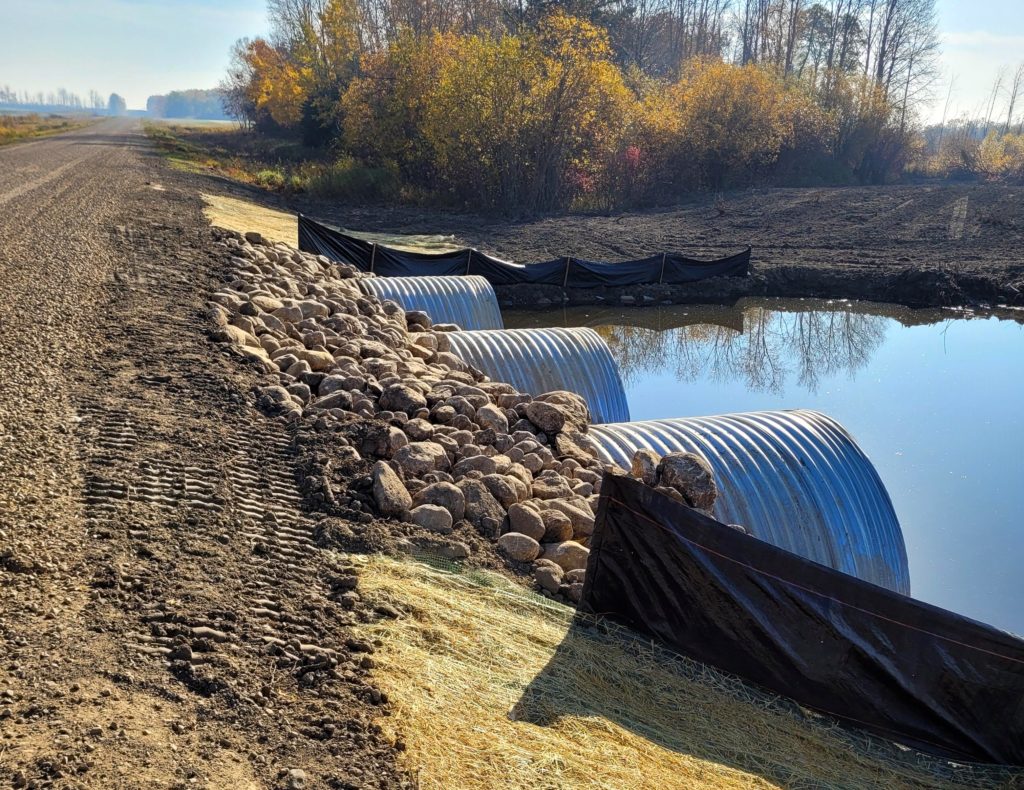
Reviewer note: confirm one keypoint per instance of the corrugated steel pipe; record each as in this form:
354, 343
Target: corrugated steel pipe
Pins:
796, 479
541, 360
467, 301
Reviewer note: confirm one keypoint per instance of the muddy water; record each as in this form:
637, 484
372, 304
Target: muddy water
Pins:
936, 399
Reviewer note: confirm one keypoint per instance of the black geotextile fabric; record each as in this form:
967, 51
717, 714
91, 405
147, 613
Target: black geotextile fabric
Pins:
881, 661
564, 272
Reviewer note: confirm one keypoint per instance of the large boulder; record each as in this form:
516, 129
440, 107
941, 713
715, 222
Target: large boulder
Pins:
568, 555
546, 416
475, 463
557, 526
420, 458
582, 520
490, 416
446, 495
548, 575
483, 511
575, 445
519, 547
526, 521
432, 517
645, 466
573, 407
389, 492
690, 475
502, 489
401, 397
554, 487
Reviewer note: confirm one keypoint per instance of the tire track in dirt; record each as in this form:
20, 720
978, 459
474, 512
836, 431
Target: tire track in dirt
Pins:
162, 601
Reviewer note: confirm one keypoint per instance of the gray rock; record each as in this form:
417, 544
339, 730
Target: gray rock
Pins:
526, 521
490, 416
401, 397
420, 458
557, 526
389, 492
575, 577
519, 547
476, 463
418, 430
575, 445
433, 517
554, 487
645, 466
548, 577
483, 511
339, 382
573, 407
546, 416
568, 555
446, 495
502, 489
690, 475
582, 520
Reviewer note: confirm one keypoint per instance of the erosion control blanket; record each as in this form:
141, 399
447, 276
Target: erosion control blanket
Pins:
564, 272
912, 672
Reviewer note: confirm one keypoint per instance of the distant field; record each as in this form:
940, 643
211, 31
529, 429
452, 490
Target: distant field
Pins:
192, 123
16, 127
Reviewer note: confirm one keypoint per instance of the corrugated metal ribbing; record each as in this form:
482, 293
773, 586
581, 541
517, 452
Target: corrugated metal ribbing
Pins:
541, 360
796, 479
467, 301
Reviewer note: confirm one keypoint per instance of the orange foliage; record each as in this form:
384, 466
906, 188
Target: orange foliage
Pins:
278, 85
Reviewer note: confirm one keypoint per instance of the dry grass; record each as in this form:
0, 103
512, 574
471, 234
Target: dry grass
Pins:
244, 215
494, 686
15, 128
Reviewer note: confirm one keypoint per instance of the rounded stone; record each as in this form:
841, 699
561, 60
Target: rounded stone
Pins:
519, 547
432, 517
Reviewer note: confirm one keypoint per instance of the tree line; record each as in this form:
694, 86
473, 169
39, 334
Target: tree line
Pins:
987, 144
543, 104
61, 100
200, 104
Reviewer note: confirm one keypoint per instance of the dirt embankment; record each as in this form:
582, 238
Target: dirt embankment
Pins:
165, 618
922, 245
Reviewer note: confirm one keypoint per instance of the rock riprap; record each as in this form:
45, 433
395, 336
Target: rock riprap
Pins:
452, 460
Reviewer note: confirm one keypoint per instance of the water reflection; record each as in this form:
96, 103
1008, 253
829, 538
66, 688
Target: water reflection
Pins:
766, 344
933, 398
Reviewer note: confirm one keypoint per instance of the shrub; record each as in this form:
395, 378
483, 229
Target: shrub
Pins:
348, 179
271, 179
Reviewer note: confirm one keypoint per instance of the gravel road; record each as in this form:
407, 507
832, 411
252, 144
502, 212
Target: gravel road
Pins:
163, 611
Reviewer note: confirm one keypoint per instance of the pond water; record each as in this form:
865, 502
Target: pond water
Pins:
936, 399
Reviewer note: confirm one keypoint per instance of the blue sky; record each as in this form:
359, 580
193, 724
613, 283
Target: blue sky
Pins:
141, 47
134, 47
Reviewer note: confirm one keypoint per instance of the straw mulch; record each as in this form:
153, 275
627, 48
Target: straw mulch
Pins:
494, 686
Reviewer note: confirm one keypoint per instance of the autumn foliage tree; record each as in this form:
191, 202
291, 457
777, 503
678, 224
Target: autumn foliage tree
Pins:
537, 109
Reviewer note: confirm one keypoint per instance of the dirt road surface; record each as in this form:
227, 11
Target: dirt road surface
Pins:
163, 619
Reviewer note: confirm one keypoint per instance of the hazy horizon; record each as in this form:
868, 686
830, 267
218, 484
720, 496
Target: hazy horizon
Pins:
139, 48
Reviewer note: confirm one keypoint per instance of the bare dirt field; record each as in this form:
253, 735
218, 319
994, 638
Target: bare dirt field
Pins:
924, 244
927, 244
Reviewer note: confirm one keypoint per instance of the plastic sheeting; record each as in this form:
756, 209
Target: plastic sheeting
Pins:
467, 301
536, 361
796, 479
909, 671
565, 272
